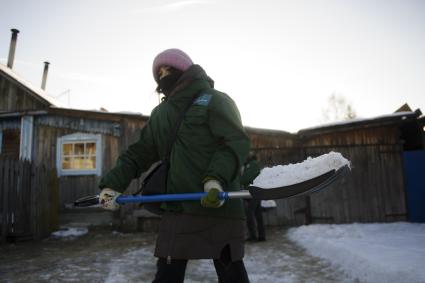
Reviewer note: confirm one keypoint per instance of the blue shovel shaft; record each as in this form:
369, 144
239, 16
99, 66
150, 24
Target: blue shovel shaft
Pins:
178, 197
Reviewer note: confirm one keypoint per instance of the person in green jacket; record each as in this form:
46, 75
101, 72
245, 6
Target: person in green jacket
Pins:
254, 213
207, 155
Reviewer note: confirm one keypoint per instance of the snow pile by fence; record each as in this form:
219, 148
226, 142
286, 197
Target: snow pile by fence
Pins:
70, 232
386, 252
283, 175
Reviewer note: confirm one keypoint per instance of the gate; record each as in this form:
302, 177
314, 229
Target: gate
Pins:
414, 171
28, 201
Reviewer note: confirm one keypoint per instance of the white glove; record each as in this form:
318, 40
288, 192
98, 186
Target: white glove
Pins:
210, 200
107, 199
212, 184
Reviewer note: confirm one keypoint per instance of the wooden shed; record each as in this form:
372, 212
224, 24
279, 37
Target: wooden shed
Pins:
80, 144
375, 191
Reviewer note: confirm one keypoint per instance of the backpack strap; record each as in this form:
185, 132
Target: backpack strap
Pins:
173, 135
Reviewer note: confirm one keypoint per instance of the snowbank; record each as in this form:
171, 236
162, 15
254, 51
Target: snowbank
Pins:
390, 252
70, 232
283, 175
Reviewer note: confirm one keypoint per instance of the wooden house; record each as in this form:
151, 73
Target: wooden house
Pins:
80, 144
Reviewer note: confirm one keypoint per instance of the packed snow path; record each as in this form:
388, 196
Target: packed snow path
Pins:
104, 256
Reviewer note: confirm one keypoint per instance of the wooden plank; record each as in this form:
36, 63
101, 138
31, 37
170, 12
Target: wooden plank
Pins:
34, 219
53, 201
26, 185
46, 204
39, 180
6, 197
12, 196
18, 208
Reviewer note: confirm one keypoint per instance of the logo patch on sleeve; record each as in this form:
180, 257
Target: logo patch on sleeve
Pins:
203, 100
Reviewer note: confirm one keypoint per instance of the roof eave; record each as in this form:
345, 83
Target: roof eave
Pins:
367, 123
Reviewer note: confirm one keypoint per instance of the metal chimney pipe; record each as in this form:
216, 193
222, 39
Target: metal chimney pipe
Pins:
44, 80
12, 48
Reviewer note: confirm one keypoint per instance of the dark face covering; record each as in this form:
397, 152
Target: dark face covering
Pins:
167, 83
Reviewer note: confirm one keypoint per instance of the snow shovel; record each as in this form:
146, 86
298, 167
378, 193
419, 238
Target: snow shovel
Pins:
303, 188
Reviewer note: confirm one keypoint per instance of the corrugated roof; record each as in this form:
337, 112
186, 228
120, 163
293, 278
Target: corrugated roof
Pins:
50, 101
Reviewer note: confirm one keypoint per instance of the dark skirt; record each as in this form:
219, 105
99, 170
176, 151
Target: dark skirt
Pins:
184, 236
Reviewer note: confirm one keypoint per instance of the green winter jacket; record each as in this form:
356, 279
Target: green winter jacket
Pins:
250, 171
211, 142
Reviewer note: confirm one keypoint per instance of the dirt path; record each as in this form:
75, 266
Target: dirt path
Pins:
105, 256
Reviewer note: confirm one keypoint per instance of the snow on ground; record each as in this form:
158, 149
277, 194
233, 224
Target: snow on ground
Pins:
70, 232
391, 252
283, 175
385, 252
106, 256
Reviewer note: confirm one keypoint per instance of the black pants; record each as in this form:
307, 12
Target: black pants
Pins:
228, 271
254, 219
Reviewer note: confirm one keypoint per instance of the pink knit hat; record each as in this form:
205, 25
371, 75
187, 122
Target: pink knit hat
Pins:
171, 57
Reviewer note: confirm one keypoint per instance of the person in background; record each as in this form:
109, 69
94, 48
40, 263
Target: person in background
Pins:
254, 214
208, 152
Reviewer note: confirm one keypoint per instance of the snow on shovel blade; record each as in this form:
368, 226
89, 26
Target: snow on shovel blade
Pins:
307, 187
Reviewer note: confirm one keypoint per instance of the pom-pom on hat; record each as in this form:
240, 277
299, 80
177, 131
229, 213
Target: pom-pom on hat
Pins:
171, 57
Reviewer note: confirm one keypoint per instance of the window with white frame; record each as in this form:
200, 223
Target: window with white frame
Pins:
79, 154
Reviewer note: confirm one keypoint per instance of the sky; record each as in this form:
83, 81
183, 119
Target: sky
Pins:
279, 60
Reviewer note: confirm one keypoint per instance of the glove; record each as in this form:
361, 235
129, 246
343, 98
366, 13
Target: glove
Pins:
211, 200
107, 199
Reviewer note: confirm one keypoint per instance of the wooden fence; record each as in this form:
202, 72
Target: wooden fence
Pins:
372, 192
28, 201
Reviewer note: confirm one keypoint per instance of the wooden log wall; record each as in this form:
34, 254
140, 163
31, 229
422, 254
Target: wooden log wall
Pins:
14, 98
115, 138
374, 190
278, 148
71, 187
